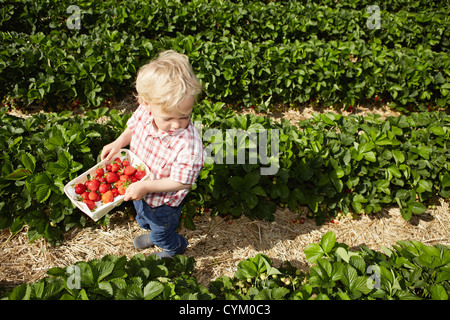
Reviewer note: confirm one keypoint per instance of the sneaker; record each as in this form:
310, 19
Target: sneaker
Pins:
142, 242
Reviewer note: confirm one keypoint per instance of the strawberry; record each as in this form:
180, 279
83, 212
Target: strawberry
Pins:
129, 170
102, 180
108, 167
111, 177
80, 188
122, 187
140, 172
125, 163
124, 178
117, 160
104, 187
93, 185
92, 196
108, 197
115, 167
85, 195
100, 172
90, 204
115, 192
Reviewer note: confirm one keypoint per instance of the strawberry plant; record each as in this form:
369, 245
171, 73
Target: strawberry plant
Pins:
116, 278
409, 270
40, 154
331, 164
246, 54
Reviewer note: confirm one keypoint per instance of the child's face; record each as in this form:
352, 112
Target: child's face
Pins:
174, 120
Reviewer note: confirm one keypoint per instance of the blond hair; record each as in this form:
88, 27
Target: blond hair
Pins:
166, 81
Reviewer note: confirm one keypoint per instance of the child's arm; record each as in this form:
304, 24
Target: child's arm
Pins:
137, 190
122, 141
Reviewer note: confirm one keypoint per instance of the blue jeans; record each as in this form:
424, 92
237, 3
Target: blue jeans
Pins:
163, 223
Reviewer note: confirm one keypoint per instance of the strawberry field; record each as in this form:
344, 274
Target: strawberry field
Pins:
76, 64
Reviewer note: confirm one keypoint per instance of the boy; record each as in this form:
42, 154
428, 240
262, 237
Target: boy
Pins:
161, 134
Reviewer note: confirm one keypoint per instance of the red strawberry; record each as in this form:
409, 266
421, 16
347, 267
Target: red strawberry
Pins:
140, 172
115, 167
104, 187
108, 167
125, 162
111, 177
129, 170
85, 195
93, 185
80, 188
93, 196
122, 187
108, 197
117, 160
102, 180
90, 204
115, 192
125, 178
100, 172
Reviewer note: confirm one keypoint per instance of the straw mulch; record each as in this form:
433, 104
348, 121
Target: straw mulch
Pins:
217, 245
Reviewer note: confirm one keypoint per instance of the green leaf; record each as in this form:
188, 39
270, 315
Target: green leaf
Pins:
341, 252
328, 241
251, 179
439, 131
22, 292
337, 173
438, 293
258, 190
393, 171
28, 161
152, 289
131, 292
424, 152
101, 270
417, 208
349, 276
236, 183
250, 199
270, 270
398, 156
18, 174
271, 294
313, 252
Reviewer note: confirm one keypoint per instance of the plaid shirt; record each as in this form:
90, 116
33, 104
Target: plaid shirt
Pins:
179, 157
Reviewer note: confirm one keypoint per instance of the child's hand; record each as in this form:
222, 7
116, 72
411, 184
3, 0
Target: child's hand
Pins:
135, 191
109, 151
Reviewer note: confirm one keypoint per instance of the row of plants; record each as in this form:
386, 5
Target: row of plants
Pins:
89, 68
254, 21
332, 164
300, 52
409, 270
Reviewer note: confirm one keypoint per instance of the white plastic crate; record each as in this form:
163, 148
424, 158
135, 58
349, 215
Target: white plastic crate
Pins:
101, 209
